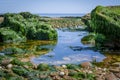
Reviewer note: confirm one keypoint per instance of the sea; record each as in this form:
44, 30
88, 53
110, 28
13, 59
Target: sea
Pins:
61, 15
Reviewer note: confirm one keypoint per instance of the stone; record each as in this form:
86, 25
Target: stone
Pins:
117, 75
118, 59
116, 64
25, 66
86, 64
56, 78
5, 62
9, 66
64, 66
115, 70
110, 76
90, 72
61, 74
52, 74
0, 67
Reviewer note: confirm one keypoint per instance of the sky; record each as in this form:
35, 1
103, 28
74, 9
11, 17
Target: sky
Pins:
53, 6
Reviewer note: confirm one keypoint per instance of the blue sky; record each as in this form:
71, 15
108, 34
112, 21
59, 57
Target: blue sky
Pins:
53, 6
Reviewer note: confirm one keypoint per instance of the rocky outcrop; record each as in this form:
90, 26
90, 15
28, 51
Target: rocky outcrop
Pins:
106, 21
25, 26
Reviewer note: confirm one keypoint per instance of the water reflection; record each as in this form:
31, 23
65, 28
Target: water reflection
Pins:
63, 52
29, 47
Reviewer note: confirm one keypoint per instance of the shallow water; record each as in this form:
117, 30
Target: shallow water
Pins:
68, 50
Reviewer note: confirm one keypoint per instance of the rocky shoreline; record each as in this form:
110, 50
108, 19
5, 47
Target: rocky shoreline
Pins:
14, 69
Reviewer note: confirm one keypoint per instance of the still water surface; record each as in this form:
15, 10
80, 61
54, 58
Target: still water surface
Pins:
68, 50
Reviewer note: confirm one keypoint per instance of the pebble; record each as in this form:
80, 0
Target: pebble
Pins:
9, 66
90, 72
86, 64
0, 67
64, 66
61, 73
25, 66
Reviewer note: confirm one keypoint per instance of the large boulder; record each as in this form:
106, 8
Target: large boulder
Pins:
25, 26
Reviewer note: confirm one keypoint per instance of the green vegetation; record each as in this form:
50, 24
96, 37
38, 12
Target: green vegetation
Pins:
25, 26
43, 67
105, 23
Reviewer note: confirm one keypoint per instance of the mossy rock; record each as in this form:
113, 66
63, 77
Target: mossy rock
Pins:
89, 39
13, 50
25, 25
72, 66
8, 35
17, 62
43, 67
106, 21
20, 71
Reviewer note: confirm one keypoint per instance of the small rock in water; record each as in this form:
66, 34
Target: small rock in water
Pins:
86, 64
9, 66
61, 73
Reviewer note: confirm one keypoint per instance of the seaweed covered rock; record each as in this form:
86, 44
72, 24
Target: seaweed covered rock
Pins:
106, 21
12, 50
25, 26
20, 70
8, 35
43, 67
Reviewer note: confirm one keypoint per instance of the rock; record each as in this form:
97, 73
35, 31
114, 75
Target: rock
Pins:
116, 64
52, 74
90, 72
61, 74
9, 66
0, 67
56, 78
86, 64
64, 66
110, 76
25, 66
118, 59
115, 70
104, 69
5, 62
117, 75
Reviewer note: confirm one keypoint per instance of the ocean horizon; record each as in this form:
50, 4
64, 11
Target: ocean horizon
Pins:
60, 15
